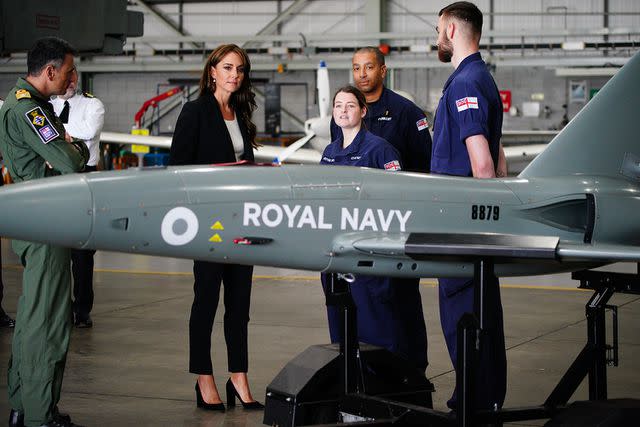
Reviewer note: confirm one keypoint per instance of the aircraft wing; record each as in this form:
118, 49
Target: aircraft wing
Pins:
294, 154
519, 156
266, 153
125, 138
514, 137
523, 152
270, 153
287, 152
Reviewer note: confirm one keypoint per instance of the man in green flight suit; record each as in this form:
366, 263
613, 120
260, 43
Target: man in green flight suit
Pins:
35, 145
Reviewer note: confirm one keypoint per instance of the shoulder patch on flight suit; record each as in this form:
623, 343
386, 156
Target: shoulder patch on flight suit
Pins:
87, 95
22, 93
43, 127
422, 124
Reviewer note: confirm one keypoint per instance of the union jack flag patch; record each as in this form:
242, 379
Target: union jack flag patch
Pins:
422, 123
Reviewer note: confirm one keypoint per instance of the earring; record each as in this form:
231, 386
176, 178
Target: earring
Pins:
214, 80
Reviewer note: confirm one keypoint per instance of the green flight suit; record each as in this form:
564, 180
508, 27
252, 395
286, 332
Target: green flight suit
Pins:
33, 144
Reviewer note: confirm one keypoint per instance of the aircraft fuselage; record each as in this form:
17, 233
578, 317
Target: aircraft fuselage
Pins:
337, 219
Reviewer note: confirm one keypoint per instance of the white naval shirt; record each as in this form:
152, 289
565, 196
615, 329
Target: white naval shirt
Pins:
86, 118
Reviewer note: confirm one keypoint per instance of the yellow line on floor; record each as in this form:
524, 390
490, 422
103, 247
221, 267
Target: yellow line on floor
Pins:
425, 282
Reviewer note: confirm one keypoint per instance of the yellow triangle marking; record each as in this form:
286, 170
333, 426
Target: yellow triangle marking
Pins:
215, 238
217, 226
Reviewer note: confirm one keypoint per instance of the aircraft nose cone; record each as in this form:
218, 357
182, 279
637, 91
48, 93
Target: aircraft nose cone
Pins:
52, 210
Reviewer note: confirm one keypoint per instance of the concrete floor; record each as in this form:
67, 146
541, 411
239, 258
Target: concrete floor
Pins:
131, 368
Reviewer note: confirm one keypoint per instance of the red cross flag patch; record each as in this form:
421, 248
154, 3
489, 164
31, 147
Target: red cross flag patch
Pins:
422, 123
466, 103
393, 165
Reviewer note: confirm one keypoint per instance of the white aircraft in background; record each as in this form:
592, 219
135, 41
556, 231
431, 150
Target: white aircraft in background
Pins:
318, 135
266, 153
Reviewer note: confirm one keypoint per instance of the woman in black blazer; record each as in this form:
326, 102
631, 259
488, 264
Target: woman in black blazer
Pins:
217, 128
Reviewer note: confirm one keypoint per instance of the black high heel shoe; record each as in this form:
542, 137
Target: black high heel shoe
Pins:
232, 393
207, 406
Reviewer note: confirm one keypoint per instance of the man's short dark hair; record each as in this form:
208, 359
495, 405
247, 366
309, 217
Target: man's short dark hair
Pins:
45, 51
374, 50
465, 11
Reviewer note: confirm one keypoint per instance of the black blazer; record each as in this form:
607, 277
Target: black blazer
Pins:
201, 136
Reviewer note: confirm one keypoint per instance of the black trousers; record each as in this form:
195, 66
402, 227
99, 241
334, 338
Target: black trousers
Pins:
237, 296
1, 284
82, 269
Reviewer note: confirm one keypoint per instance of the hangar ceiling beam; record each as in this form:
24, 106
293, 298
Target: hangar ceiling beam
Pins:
142, 66
374, 16
166, 21
422, 35
416, 15
293, 8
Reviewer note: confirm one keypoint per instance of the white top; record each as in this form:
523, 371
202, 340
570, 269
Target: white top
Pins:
86, 118
236, 137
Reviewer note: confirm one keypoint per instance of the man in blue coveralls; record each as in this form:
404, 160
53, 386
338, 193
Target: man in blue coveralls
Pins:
389, 115
404, 125
466, 142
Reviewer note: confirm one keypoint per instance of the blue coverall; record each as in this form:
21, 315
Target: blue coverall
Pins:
470, 105
404, 125
382, 306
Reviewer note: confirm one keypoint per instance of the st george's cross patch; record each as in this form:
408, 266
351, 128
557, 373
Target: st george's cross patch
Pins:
43, 127
393, 165
466, 103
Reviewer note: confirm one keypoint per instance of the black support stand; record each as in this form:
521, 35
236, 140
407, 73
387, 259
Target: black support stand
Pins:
339, 295
356, 398
380, 405
471, 330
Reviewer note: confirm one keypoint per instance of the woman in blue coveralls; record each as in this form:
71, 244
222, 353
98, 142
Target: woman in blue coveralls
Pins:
373, 296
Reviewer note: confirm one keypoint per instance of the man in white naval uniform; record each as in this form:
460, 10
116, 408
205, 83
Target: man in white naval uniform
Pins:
83, 118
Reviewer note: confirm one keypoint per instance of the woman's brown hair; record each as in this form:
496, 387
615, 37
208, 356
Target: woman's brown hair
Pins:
243, 100
362, 100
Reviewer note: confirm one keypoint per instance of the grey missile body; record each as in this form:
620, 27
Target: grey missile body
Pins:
351, 220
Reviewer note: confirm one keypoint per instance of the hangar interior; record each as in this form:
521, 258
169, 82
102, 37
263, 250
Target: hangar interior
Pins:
536, 49
131, 367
